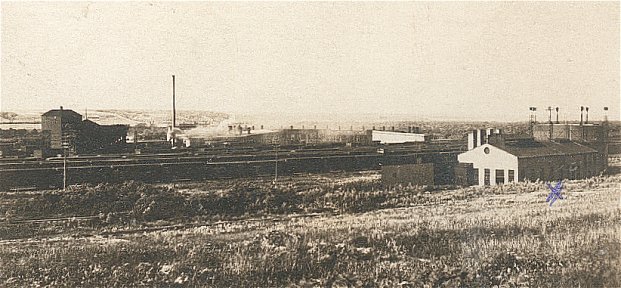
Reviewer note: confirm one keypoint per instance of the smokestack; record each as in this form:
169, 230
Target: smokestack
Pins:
550, 116
409, 129
174, 117
489, 131
472, 141
586, 121
557, 115
482, 137
605, 114
392, 128
581, 109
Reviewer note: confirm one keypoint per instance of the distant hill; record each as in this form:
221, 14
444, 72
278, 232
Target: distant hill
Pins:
128, 117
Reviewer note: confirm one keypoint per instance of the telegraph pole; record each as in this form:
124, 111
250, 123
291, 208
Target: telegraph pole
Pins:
174, 116
64, 169
276, 167
65, 145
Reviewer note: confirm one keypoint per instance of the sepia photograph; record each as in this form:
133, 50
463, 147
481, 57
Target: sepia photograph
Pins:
310, 144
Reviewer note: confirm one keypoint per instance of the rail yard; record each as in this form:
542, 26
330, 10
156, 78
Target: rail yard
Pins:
239, 162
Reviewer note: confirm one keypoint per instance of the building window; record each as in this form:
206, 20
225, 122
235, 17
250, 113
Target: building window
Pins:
486, 177
511, 175
475, 176
500, 176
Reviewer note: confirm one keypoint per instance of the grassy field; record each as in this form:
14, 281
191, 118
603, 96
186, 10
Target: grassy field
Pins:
318, 231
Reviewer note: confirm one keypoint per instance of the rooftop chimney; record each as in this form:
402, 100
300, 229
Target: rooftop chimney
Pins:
581, 109
472, 140
587, 115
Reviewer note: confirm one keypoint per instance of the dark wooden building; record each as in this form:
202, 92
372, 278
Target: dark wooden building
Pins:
68, 131
408, 174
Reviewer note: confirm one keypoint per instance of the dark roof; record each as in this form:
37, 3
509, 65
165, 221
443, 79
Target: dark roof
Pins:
552, 148
90, 123
64, 112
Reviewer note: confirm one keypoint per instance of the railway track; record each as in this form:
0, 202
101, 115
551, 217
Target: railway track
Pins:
159, 168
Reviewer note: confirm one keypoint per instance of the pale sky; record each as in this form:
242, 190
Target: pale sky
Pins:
478, 60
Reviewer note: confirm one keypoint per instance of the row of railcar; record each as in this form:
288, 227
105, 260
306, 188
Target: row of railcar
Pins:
194, 165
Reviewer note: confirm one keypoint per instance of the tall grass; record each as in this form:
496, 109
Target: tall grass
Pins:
471, 237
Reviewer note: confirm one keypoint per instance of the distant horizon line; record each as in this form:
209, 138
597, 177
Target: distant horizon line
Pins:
301, 115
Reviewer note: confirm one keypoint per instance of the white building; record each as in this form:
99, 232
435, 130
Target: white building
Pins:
493, 165
391, 137
497, 161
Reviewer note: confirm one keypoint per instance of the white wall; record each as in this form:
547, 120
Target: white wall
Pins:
389, 137
496, 159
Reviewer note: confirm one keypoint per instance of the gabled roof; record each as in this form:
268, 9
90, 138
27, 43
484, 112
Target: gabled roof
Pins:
540, 149
64, 113
89, 123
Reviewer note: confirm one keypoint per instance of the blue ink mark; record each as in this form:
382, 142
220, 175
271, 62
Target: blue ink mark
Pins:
555, 192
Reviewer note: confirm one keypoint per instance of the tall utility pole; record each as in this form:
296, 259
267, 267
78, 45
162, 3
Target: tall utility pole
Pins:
532, 120
174, 116
276, 167
174, 111
64, 169
65, 145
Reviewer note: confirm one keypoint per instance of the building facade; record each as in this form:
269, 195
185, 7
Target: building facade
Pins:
499, 161
62, 125
393, 137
